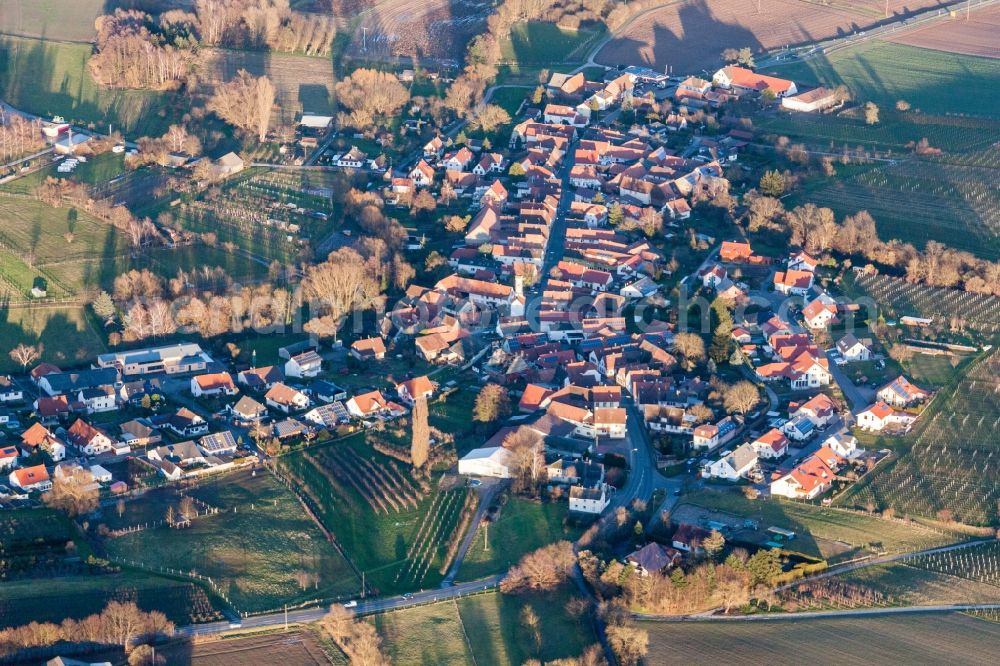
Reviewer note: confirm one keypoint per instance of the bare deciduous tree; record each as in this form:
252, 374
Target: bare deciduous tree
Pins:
24, 355
245, 102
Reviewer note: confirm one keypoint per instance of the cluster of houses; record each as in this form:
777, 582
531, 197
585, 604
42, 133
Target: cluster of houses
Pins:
775, 460
204, 435
734, 81
895, 407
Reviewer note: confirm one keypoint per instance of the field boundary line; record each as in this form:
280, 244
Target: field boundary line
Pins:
465, 634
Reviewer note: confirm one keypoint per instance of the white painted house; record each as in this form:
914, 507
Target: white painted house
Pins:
736, 465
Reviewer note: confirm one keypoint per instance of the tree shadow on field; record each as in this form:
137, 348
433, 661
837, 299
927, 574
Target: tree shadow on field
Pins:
315, 98
698, 44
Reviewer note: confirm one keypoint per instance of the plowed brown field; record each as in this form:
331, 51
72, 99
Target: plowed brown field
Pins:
691, 34
978, 36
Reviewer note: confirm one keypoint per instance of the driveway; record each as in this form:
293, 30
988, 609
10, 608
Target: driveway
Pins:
854, 394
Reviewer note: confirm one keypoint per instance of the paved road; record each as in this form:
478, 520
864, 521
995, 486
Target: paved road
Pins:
853, 394
381, 605
795, 617
555, 246
875, 561
486, 495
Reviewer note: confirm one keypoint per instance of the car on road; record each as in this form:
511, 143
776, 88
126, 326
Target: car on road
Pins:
408, 595
235, 623
353, 603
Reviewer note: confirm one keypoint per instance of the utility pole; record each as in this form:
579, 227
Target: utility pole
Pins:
486, 536
364, 39
968, 10
362, 584
286, 617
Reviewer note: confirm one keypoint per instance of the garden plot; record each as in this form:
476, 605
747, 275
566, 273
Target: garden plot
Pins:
266, 214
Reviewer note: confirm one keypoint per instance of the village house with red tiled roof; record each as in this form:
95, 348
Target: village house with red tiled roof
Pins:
215, 383
740, 78
31, 478
411, 390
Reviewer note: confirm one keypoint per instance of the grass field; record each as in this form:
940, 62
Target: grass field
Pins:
67, 336
484, 630
60, 84
814, 524
252, 548
883, 72
924, 639
301, 83
53, 599
69, 247
534, 43
388, 526
957, 433
523, 526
